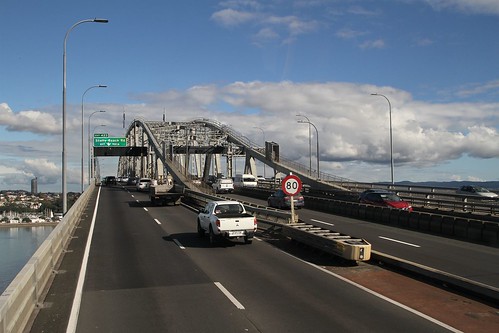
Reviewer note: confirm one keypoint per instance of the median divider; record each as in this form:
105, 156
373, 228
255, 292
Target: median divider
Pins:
335, 243
26, 292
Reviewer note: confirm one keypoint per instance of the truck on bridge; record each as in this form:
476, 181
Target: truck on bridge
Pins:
165, 193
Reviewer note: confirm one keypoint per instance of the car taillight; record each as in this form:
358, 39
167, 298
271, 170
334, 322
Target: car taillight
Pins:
254, 223
217, 222
286, 198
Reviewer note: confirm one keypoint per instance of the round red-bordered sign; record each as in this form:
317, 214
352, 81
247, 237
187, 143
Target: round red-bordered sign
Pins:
291, 185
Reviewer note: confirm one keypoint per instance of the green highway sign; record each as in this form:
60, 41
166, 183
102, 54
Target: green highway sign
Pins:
109, 142
101, 135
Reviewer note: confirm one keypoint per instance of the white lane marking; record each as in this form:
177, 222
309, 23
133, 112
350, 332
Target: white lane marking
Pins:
75, 308
398, 241
133, 196
374, 293
145, 209
179, 244
331, 224
229, 296
157, 221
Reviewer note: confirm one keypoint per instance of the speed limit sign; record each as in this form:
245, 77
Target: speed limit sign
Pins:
291, 185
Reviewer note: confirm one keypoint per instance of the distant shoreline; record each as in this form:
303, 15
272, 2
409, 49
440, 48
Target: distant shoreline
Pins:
26, 225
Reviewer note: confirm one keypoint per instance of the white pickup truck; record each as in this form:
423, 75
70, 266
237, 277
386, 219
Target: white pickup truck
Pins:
226, 219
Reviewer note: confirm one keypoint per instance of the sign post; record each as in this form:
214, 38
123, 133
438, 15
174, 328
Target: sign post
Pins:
291, 185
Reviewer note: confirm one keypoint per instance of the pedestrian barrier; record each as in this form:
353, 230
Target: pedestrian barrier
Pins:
27, 290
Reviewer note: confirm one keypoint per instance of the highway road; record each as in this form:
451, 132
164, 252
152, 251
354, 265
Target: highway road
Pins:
148, 271
467, 260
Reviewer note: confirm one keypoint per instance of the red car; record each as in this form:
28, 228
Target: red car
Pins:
384, 198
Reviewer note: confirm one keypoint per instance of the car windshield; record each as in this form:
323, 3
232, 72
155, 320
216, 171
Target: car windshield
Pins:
226, 181
390, 197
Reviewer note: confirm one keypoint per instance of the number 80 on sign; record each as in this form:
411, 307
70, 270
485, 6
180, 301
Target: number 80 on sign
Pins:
291, 185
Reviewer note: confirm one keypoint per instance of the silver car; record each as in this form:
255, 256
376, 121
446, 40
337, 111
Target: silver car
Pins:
143, 184
476, 191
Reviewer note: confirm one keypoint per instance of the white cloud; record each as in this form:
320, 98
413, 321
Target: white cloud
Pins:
353, 126
230, 17
268, 25
467, 6
28, 121
347, 33
373, 44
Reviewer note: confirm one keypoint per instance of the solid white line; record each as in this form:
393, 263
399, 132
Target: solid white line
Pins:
179, 244
229, 296
75, 308
157, 221
398, 241
374, 293
322, 222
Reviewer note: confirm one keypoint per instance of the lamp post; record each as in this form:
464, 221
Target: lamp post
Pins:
391, 133
263, 132
317, 132
64, 188
92, 174
309, 144
82, 96
89, 144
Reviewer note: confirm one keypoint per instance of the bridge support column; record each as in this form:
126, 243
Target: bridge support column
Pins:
250, 165
207, 165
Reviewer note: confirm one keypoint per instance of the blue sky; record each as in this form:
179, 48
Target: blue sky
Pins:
257, 64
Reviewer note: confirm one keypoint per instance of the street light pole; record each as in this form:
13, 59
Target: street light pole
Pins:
264, 141
64, 187
89, 144
82, 96
309, 144
391, 133
317, 134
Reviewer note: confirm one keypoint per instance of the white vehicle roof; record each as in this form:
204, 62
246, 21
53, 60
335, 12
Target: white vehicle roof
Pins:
227, 202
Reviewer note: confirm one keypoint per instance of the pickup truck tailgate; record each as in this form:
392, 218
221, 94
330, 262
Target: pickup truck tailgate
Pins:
237, 223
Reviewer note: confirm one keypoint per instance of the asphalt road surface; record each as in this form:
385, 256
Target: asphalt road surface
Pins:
148, 271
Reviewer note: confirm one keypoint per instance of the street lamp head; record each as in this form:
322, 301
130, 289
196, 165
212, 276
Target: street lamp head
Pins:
374, 94
97, 20
102, 86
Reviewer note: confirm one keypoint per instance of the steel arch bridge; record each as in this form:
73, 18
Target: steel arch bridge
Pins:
194, 150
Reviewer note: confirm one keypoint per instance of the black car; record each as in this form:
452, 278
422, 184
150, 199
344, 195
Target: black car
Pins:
281, 200
110, 180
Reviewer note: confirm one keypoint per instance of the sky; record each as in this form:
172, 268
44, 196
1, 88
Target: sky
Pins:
255, 65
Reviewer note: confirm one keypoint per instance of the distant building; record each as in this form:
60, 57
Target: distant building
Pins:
34, 185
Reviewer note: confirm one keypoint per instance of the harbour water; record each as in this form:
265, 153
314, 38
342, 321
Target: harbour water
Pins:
17, 245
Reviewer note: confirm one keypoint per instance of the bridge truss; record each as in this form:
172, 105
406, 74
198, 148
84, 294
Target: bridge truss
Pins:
196, 149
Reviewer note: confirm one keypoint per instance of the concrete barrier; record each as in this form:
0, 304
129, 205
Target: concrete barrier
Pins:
447, 226
27, 290
475, 230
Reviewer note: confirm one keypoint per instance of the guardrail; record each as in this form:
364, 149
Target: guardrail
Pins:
27, 290
335, 243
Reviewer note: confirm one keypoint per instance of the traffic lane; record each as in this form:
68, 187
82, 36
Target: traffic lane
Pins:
468, 260
138, 280
282, 293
